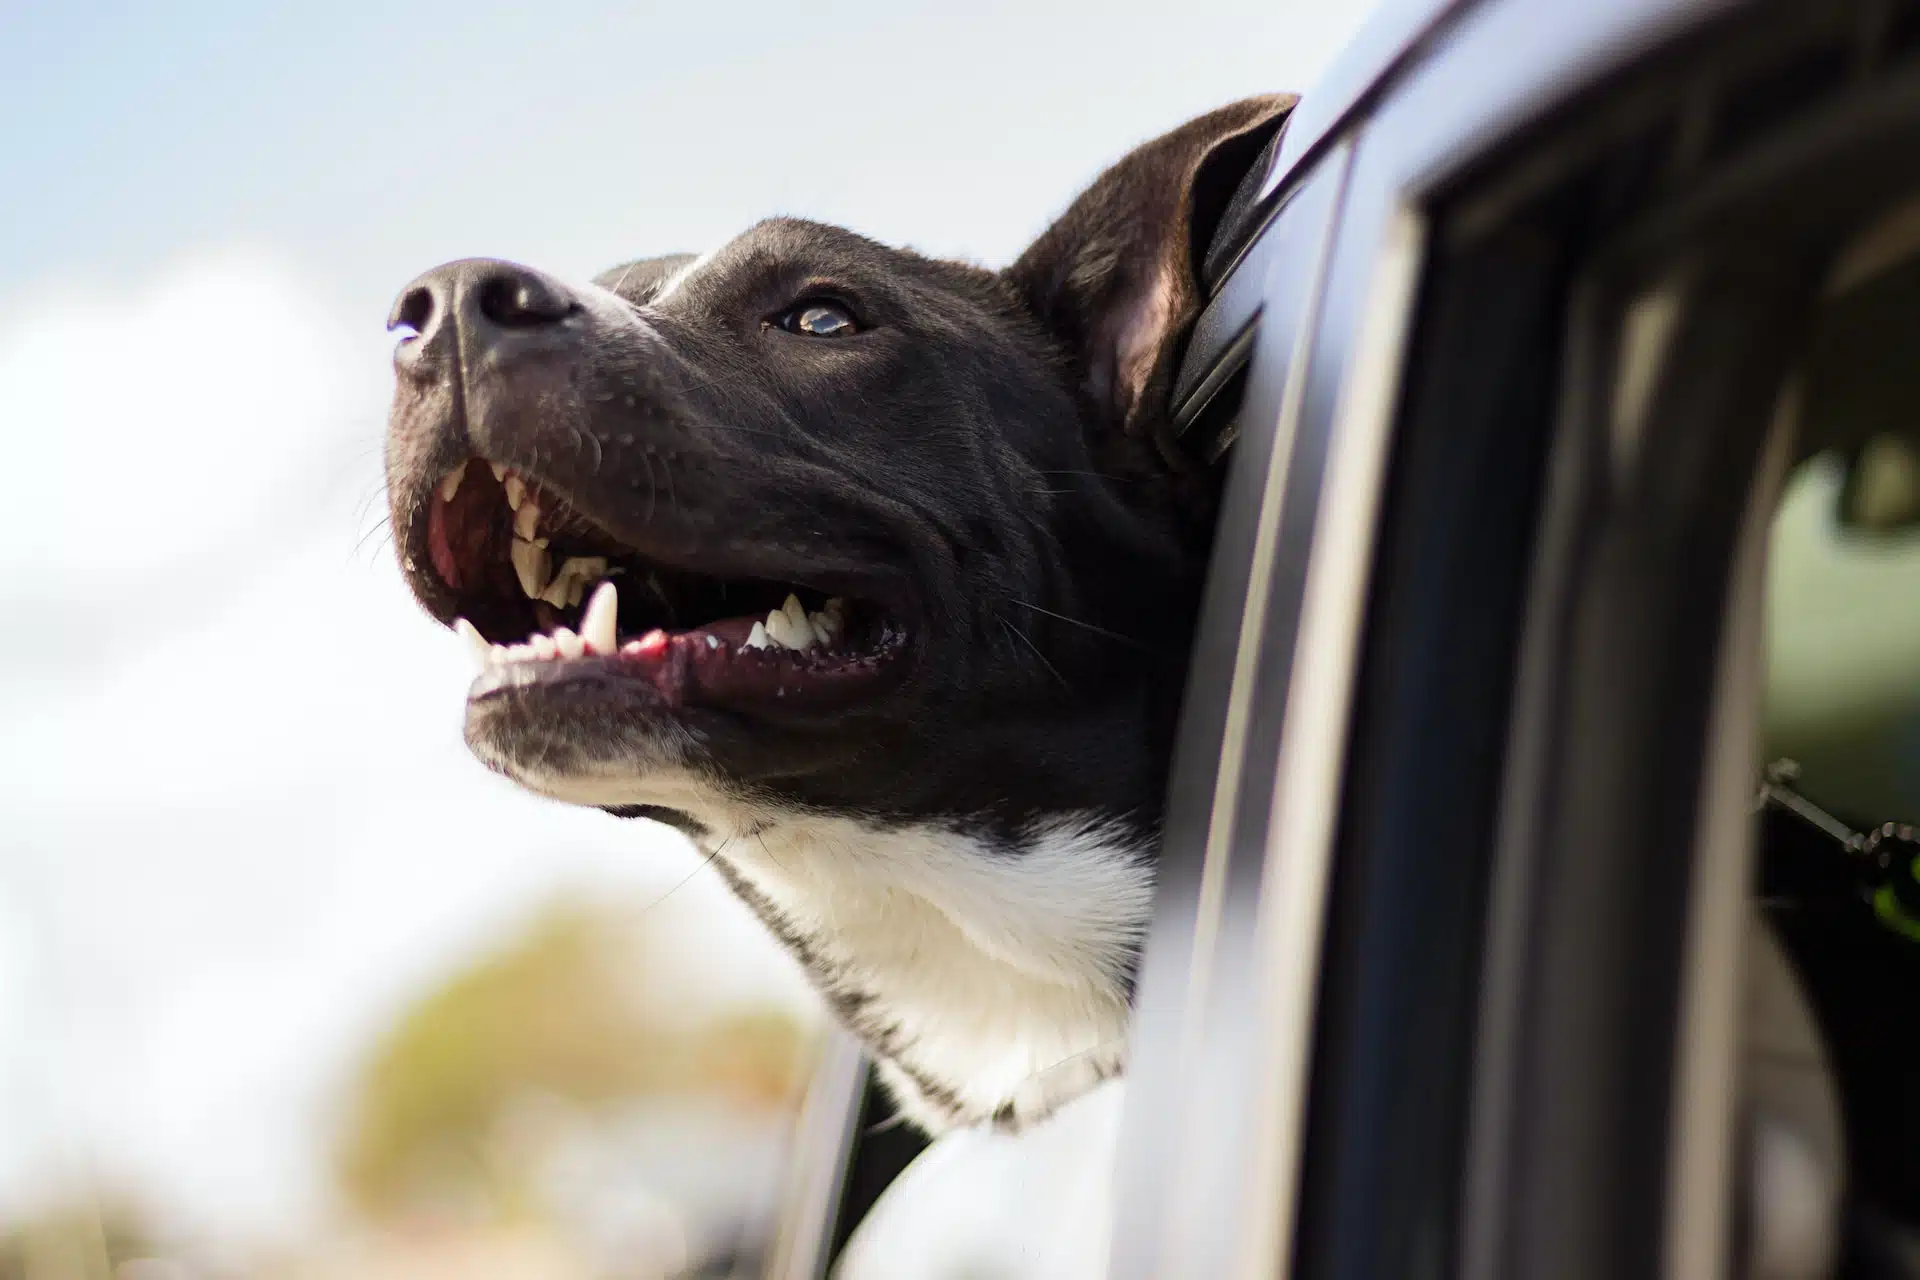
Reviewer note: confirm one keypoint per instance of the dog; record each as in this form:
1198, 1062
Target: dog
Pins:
875, 574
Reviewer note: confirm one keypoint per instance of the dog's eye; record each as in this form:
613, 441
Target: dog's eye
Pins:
819, 319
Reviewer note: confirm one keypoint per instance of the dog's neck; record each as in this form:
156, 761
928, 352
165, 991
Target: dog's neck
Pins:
987, 972
989, 978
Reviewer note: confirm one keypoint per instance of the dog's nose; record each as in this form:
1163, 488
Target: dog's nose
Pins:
488, 301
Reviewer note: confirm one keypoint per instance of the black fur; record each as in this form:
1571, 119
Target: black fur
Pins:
976, 459
985, 461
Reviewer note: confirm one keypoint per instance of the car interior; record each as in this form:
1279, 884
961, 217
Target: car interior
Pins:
1832, 1078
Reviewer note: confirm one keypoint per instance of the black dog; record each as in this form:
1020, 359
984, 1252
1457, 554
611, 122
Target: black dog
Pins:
868, 571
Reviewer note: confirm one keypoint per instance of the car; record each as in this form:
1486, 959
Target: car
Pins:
1559, 356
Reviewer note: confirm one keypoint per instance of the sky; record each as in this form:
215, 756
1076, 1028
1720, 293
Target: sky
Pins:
240, 830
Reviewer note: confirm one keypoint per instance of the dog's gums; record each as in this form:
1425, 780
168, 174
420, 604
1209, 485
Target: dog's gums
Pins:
813, 654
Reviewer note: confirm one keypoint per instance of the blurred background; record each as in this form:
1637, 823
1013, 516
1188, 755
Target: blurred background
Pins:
289, 986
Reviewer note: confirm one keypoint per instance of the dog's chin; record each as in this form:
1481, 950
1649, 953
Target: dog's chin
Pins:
603, 731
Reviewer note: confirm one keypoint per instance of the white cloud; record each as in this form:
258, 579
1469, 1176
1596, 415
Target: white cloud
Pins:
149, 421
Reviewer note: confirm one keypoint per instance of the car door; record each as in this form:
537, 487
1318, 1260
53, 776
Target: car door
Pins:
1444, 974
1466, 998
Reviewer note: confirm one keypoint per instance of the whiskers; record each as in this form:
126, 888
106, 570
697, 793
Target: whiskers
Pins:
1027, 640
1087, 626
687, 879
376, 540
375, 537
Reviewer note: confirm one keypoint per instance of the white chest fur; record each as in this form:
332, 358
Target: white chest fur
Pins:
988, 976
994, 978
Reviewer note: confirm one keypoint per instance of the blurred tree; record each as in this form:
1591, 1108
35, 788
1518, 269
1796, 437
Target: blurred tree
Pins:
555, 1014
83, 1240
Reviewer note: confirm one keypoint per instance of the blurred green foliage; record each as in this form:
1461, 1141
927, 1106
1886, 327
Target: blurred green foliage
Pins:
554, 1015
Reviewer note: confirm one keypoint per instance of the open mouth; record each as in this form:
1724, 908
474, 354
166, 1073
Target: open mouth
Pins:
544, 594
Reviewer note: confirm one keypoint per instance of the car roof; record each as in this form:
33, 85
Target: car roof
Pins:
1392, 36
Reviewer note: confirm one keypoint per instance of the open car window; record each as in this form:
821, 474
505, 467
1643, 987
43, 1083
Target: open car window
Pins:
1571, 560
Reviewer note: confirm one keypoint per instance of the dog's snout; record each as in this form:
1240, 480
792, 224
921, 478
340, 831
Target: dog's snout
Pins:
515, 298
417, 308
485, 300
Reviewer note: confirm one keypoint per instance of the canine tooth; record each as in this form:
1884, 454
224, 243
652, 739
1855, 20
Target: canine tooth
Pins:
471, 634
569, 644
599, 626
525, 520
796, 613
516, 491
499, 470
451, 484
756, 638
783, 631
532, 565
775, 625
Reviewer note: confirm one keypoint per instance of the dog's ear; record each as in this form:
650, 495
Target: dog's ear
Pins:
1116, 278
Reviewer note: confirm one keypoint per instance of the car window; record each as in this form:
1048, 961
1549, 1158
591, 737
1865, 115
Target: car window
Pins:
1843, 684
1837, 1182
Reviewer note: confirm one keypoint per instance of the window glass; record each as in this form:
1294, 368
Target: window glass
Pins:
1839, 873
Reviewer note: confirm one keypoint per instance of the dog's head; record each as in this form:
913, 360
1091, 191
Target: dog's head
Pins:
816, 519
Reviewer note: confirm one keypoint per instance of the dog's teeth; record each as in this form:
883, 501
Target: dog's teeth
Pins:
569, 584
499, 470
525, 520
756, 638
599, 626
796, 613
775, 628
516, 491
471, 634
569, 644
788, 634
836, 606
451, 484
826, 626
532, 565
713, 642
544, 648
